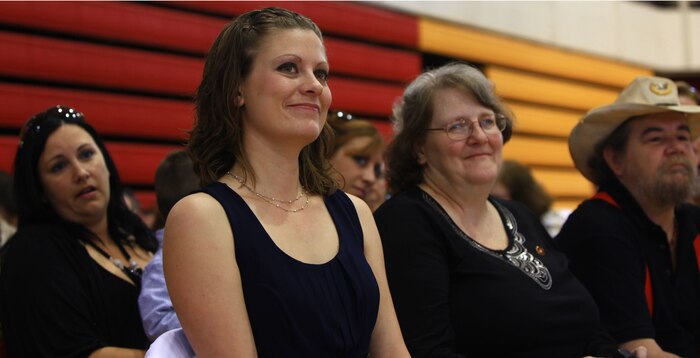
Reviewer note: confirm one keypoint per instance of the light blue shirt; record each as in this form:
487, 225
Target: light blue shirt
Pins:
157, 310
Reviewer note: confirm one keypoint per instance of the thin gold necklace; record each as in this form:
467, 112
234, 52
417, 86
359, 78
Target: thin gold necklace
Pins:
272, 200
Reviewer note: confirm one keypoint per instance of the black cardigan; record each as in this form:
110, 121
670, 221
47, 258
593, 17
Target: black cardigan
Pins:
56, 301
456, 299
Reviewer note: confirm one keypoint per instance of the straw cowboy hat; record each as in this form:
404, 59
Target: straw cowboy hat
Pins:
645, 95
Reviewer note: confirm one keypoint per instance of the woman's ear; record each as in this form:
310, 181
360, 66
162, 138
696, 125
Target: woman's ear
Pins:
240, 101
420, 153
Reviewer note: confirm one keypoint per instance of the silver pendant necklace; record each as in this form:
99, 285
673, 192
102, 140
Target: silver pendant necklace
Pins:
133, 271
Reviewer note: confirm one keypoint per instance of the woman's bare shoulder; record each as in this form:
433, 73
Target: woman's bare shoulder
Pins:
196, 205
198, 210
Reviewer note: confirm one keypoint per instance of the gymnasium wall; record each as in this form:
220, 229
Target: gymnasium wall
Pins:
132, 68
665, 38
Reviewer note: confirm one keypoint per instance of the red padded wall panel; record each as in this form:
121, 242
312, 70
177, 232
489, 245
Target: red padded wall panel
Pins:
123, 21
8, 148
135, 116
73, 63
110, 114
372, 61
364, 97
146, 198
346, 18
346, 57
385, 128
40, 58
67, 61
137, 163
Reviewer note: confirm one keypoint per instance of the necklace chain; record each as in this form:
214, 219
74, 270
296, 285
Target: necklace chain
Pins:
272, 200
133, 271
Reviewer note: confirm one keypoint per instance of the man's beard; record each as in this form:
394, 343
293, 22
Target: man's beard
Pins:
671, 186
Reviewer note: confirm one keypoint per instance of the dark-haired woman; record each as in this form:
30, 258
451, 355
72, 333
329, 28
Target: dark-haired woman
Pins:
271, 259
71, 274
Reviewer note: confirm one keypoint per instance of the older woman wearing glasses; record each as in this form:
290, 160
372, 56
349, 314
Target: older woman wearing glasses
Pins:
472, 275
71, 274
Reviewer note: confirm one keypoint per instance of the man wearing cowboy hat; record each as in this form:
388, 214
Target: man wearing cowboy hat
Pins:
635, 244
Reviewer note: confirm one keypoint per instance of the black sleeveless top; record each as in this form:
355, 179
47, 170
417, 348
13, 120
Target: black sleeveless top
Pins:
298, 309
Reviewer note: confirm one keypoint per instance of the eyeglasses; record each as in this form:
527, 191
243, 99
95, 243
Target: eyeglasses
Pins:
34, 124
462, 129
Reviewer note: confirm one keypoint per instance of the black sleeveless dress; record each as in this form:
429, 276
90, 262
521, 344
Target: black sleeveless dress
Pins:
298, 309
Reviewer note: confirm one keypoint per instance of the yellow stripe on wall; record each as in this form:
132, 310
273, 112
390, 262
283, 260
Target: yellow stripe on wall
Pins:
537, 151
530, 87
569, 204
564, 183
486, 47
536, 119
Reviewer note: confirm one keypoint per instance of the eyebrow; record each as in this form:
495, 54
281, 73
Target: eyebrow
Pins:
481, 115
300, 59
57, 156
681, 127
84, 145
81, 147
282, 56
684, 127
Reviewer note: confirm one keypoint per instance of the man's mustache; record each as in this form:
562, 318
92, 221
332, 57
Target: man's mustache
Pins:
676, 160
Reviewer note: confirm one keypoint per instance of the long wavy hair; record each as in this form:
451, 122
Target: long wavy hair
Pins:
32, 206
216, 140
414, 112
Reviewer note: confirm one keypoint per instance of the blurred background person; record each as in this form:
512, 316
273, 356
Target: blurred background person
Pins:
270, 259
471, 275
357, 158
8, 208
378, 192
132, 202
516, 182
687, 94
149, 216
71, 274
175, 179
